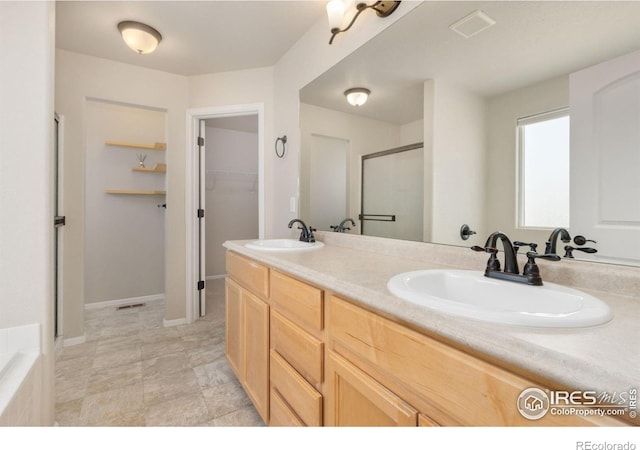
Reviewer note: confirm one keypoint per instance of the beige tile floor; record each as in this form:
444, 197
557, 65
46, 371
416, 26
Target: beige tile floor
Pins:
132, 371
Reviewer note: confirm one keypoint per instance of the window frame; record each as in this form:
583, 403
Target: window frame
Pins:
520, 124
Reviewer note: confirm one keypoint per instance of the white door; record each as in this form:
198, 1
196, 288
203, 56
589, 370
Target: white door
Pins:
202, 253
605, 158
328, 181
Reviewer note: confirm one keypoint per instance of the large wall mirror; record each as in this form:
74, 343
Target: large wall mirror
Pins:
462, 96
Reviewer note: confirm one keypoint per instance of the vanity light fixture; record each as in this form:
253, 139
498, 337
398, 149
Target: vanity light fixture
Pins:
336, 10
357, 96
140, 38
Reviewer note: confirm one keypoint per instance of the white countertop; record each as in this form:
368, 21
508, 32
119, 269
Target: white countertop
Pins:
604, 358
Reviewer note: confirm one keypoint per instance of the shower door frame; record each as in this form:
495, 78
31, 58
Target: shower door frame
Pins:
363, 158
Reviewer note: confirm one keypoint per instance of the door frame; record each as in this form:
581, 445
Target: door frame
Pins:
194, 115
60, 231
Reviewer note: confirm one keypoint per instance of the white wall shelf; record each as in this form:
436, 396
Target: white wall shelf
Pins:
155, 146
133, 192
158, 168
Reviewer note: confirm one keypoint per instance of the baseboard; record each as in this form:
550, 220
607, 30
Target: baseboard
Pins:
174, 322
74, 341
124, 301
215, 277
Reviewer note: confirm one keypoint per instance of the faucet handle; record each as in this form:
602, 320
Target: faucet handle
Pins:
568, 250
581, 240
549, 256
531, 269
532, 245
493, 264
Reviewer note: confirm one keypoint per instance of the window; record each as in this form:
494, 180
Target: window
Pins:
543, 149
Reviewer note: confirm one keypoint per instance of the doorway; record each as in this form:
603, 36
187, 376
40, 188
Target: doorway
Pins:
58, 222
225, 170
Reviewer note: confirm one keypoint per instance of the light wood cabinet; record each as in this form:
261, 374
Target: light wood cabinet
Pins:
234, 329
447, 385
308, 357
297, 349
356, 399
281, 414
256, 352
303, 400
301, 350
247, 328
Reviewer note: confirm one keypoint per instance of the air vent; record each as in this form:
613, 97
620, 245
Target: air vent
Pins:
472, 24
137, 305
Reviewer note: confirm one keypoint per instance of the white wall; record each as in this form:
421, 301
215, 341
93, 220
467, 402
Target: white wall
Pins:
26, 146
412, 132
125, 239
502, 114
306, 60
364, 135
244, 87
231, 191
79, 77
458, 162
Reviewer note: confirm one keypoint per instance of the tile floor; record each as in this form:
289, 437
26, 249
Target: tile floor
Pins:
132, 371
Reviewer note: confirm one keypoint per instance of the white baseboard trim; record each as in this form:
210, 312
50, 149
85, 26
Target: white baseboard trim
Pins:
124, 301
174, 322
74, 341
215, 277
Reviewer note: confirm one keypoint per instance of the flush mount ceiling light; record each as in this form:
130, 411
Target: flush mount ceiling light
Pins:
337, 9
140, 38
357, 96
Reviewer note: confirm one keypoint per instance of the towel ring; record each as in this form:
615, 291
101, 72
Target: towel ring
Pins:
280, 149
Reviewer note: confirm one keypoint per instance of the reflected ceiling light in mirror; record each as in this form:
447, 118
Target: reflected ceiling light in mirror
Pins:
140, 38
338, 9
357, 96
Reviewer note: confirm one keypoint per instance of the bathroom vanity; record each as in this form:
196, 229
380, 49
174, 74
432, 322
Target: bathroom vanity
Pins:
316, 339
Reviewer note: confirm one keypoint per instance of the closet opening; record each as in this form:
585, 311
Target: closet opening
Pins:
226, 176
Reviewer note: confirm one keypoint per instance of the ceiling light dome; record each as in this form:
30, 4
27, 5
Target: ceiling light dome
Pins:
140, 38
357, 96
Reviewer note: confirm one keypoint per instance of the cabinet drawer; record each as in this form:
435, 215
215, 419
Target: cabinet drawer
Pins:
298, 301
281, 415
356, 399
450, 386
301, 350
305, 401
250, 274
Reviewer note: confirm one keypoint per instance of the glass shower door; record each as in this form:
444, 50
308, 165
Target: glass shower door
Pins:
392, 193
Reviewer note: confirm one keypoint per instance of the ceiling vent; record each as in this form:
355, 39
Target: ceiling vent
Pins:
472, 24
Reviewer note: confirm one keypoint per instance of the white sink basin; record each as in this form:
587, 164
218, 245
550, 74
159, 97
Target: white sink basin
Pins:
470, 294
282, 245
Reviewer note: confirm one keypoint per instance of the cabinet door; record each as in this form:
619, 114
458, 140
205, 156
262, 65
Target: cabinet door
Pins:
234, 329
256, 352
356, 399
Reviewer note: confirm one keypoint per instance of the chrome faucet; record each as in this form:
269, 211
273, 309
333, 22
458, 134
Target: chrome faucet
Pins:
306, 235
341, 228
530, 274
553, 240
